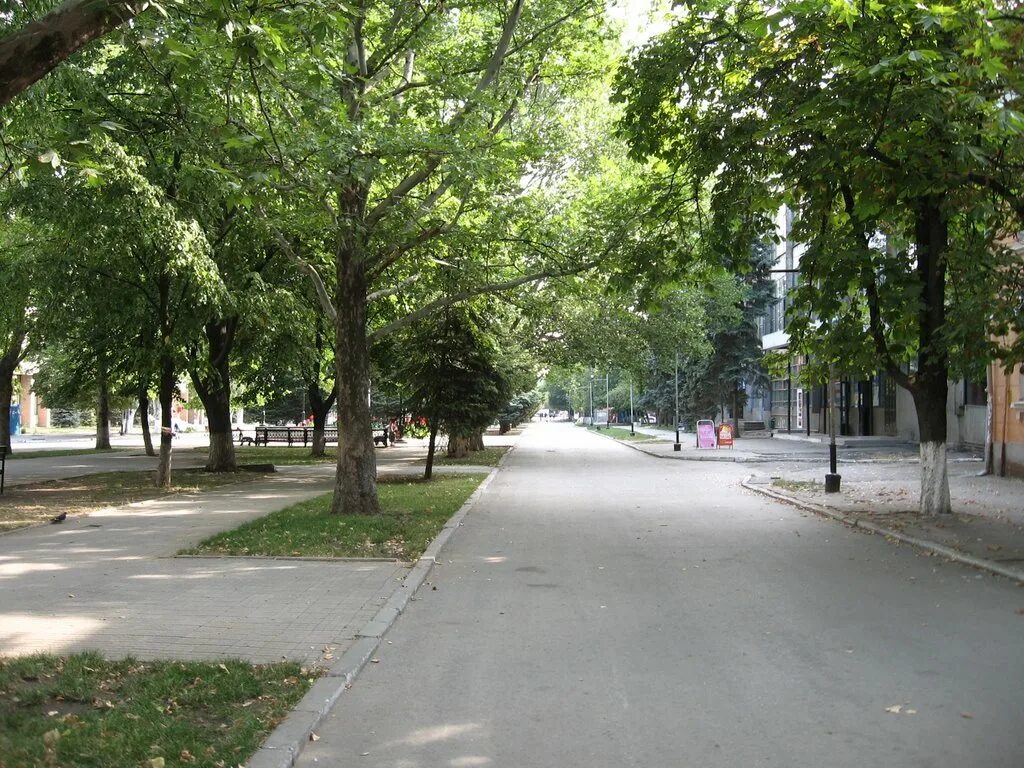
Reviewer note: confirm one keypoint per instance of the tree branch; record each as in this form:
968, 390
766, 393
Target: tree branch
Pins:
456, 298
414, 179
874, 301
314, 276
40, 46
392, 291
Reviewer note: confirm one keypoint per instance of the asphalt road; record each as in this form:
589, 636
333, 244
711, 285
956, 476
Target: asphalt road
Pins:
600, 607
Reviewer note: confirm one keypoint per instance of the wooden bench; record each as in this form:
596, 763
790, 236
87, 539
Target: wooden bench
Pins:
290, 435
294, 435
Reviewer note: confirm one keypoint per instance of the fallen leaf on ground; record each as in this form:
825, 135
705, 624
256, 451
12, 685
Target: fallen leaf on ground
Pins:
966, 715
314, 737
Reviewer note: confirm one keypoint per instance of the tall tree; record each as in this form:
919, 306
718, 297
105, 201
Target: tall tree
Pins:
412, 144
894, 130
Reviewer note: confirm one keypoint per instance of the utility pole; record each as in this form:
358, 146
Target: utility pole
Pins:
591, 398
832, 479
631, 406
677, 446
607, 403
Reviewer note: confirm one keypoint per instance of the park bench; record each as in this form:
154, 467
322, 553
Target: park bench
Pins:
290, 435
295, 435
3, 465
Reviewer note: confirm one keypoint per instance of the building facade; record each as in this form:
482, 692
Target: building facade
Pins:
870, 407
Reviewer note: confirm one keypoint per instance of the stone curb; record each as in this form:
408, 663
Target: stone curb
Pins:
640, 448
1015, 574
747, 459
283, 745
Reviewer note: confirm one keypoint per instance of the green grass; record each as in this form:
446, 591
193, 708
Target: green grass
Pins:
624, 434
280, 455
488, 457
412, 513
85, 711
37, 502
62, 452
798, 485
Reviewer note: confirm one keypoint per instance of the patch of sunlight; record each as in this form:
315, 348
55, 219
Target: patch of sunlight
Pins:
494, 559
20, 569
438, 733
21, 633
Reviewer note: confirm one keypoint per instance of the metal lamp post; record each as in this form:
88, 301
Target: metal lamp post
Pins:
591, 398
607, 403
832, 479
677, 446
631, 406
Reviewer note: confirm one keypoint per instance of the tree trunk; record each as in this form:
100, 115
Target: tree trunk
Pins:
147, 438
355, 487
165, 394
458, 447
6, 392
428, 472
8, 364
476, 442
221, 456
931, 420
214, 391
931, 235
320, 406
103, 412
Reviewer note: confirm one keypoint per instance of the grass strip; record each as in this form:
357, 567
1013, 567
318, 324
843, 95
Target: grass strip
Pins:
86, 711
488, 457
38, 502
798, 485
412, 514
624, 434
58, 452
279, 455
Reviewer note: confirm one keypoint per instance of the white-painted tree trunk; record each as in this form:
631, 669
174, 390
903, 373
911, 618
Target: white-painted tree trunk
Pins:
934, 479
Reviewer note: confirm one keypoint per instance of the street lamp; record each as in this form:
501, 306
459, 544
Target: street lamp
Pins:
591, 398
607, 403
631, 406
677, 446
832, 479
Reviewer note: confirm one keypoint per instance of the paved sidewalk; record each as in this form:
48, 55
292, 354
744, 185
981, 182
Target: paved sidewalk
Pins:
987, 523
407, 456
107, 581
768, 449
880, 490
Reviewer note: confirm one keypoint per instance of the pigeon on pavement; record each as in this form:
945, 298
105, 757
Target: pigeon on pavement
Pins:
60, 518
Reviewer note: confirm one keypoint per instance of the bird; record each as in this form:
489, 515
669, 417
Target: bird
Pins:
60, 518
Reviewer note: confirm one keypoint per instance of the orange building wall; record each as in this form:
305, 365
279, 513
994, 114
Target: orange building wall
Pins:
1008, 422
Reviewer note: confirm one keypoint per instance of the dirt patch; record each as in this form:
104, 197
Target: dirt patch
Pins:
35, 503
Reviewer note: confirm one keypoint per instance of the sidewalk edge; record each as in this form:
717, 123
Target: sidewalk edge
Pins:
1015, 574
628, 444
284, 744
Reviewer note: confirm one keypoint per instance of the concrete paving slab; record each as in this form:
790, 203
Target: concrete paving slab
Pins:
107, 582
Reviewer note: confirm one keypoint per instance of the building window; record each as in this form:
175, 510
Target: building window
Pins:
975, 393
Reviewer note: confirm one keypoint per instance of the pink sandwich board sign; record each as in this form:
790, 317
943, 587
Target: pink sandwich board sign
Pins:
706, 434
